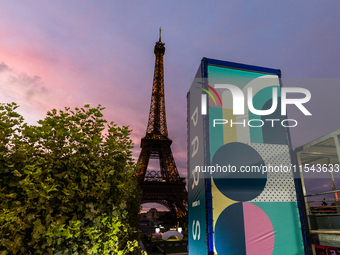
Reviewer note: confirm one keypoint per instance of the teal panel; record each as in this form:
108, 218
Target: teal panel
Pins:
256, 134
286, 224
223, 72
239, 78
259, 99
262, 96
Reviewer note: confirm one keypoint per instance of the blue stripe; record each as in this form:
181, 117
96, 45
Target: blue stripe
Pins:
242, 66
209, 209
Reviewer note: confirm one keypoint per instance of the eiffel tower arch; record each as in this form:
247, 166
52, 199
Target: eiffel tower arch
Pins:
165, 186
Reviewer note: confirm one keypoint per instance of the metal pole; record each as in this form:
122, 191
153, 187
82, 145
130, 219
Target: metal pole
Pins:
337, 146
306, 209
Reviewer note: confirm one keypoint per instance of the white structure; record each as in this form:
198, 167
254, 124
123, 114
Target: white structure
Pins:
168, 234
320, 159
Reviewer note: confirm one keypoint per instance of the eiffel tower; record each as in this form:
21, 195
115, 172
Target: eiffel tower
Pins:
165, 187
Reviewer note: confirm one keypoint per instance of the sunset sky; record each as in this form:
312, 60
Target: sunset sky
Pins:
55, 54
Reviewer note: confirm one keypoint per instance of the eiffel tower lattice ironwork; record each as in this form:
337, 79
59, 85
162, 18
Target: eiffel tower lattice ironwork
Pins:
165, 187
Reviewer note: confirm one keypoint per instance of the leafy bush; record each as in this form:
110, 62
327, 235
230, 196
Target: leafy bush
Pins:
67, 186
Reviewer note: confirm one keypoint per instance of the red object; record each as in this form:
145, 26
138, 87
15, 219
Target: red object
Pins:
326, 250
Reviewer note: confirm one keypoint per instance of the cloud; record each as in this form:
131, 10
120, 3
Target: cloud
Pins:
4, 67
28, 91
32, 86
19, 85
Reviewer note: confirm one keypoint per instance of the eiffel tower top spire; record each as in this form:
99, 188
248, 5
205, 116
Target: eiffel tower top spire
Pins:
157, 120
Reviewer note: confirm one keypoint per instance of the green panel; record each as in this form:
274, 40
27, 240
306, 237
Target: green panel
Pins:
286, 224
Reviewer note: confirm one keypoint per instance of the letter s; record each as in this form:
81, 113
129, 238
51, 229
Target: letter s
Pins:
195, 230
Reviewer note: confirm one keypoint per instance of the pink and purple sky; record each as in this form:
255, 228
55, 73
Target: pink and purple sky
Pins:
69, 53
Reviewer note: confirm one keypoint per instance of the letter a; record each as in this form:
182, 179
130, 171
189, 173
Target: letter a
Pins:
194, 117
195, 145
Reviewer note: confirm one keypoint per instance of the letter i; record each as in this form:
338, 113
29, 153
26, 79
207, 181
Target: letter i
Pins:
204, 104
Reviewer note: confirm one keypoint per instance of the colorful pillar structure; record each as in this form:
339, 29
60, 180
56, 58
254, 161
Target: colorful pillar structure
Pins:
242, 196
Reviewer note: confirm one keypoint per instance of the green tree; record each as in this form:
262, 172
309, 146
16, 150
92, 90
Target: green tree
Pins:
67, 185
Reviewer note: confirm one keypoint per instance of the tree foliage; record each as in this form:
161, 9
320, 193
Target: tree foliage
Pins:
67, 185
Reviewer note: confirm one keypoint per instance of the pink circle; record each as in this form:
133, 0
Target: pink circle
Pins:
258, 229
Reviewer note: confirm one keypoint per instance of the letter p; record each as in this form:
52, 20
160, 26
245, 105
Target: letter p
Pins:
219, 121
